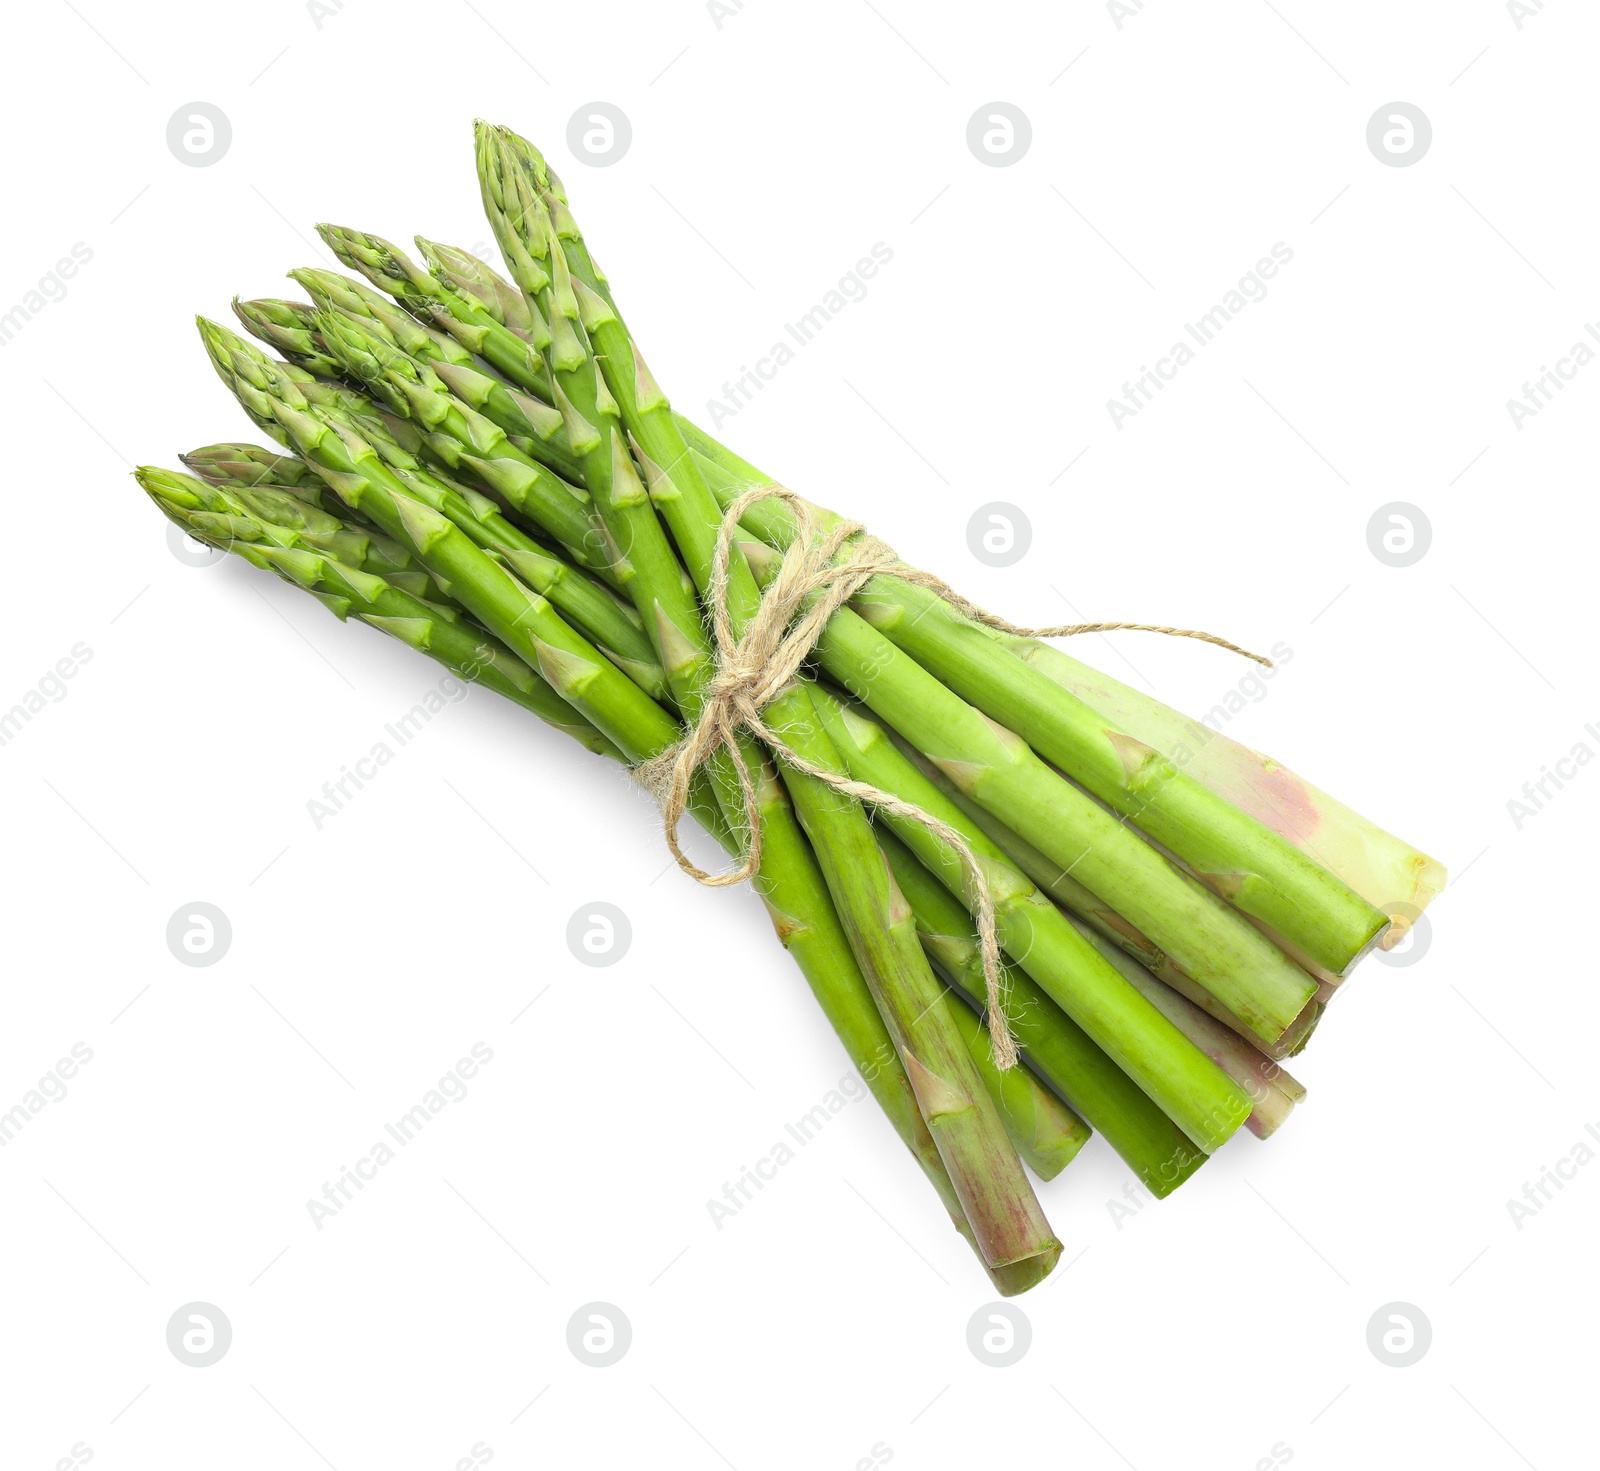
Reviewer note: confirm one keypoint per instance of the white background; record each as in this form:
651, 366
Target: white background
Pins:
829, 1318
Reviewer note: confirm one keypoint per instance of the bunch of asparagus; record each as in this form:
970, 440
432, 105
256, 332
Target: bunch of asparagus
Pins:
488, 471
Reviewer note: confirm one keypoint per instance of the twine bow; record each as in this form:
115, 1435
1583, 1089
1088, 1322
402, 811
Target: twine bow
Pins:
815, 579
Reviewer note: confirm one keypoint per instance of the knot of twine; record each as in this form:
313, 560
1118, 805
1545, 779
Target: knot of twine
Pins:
812, 583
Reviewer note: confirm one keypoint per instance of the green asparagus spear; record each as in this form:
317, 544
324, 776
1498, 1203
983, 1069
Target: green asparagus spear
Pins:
796, 897
1273, 1092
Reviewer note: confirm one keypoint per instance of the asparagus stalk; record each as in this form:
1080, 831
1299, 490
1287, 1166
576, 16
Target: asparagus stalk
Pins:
676, 476
1272, 1091
660, 590
677, 487
1160, 1154
663, 594
796, 897
994, 1194
1185, 1084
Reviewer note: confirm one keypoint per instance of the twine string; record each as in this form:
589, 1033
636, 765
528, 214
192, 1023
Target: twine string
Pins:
815, 579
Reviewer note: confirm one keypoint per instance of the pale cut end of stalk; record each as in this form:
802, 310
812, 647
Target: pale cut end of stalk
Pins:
1273, 1093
